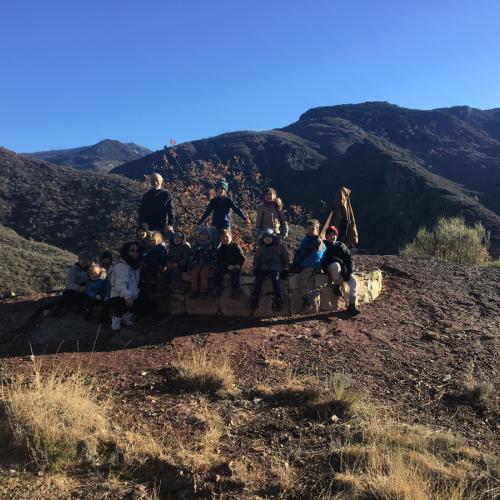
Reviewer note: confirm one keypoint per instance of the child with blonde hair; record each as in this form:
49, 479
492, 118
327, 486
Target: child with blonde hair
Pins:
96, 288
270, 215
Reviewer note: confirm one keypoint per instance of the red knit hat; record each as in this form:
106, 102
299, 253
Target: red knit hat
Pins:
332, 229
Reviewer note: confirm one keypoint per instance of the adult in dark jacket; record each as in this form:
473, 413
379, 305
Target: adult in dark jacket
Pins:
230, 259
220, 208
157, 211
337, 263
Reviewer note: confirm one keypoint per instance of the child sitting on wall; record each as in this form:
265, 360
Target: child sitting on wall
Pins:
337, 263
178, 258
270, 215
96, 288
220, 207
311, 248
74, 294
154, 258
230, 259
203, 263
271, 259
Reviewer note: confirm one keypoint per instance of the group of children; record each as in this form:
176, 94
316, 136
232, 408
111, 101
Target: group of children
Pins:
122, 287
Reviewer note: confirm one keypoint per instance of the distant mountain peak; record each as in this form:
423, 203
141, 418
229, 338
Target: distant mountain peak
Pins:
101, 157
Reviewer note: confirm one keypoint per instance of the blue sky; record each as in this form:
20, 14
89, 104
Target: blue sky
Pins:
75, 72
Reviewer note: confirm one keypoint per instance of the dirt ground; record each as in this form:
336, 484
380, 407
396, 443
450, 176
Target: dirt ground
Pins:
409, 352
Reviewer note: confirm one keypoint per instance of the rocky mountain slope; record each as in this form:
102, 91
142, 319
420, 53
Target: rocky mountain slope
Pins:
71, 209
101, 157
29, 266
405, 167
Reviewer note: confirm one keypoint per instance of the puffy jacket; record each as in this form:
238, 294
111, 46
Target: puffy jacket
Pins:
182, 254
337, 252
204, 254
77, 276
269, 217
97, 287
309, 253
272, 257
230, 255
156, 210
125, 281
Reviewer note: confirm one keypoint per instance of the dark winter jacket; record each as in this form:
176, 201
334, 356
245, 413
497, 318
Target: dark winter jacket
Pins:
100, 286
338, 252
155, 257
77, 276
157, 210
182, 254
204, 254
230, 255
220, 208
309, 253
272, 257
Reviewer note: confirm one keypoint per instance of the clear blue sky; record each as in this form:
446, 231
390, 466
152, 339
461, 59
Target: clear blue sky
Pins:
73, 72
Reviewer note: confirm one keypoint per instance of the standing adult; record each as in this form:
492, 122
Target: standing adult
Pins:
157, 211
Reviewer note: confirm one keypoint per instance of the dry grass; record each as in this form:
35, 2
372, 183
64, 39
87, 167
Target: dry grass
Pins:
212, 376
54, 418
397, 461
477, 392
292, 390
200, 448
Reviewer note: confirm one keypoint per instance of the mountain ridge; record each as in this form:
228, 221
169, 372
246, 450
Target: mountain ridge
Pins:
100, 157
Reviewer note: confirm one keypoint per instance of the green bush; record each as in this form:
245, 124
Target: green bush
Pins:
451, 239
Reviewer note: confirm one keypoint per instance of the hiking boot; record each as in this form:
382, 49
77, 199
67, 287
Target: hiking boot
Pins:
235, 293
203, 295
337, 290
278, 305
352, 310
193, 295
116, 323
127, 319
254, 304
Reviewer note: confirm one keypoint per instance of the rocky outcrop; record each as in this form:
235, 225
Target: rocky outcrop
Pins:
297, 286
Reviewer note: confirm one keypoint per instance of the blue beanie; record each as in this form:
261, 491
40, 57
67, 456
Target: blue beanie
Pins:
223, 184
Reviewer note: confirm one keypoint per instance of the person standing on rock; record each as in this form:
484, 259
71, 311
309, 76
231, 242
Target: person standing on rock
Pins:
157, 211
220, 207
270, 215
338, 265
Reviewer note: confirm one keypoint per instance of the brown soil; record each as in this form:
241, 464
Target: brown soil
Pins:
409, 351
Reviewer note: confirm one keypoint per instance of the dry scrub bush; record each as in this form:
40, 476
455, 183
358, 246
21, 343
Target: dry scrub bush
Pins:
199, 373
397, 461
54, 418
451, 239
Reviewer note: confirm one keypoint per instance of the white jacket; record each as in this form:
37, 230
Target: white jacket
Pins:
124, 281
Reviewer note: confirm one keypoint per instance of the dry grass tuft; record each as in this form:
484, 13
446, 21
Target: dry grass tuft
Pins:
478, 393
393, 460
293, 390
200, 448
211, 376
55, 418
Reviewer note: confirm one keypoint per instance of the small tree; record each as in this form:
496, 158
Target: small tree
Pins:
451, 239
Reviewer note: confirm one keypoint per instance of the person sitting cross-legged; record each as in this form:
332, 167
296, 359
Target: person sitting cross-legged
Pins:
337, 263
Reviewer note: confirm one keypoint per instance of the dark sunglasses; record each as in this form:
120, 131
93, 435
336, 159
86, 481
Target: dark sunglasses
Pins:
133, 250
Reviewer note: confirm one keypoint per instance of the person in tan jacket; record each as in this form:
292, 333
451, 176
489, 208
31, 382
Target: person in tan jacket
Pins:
342, 217
270, 215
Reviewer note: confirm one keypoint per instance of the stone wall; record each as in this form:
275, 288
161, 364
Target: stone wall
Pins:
315, 286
